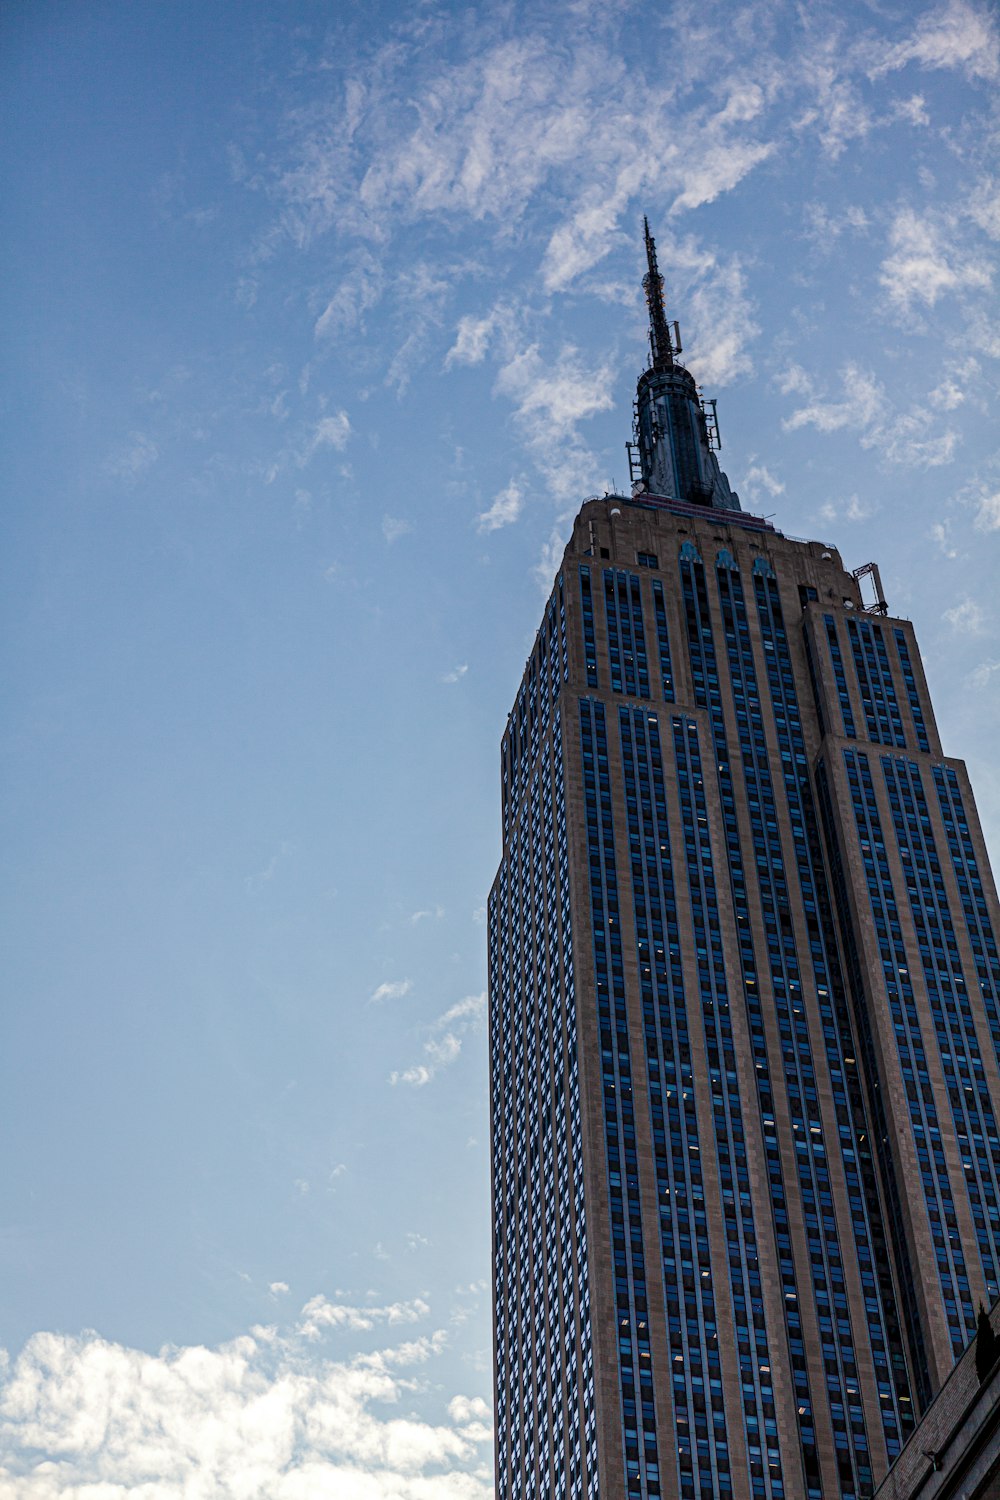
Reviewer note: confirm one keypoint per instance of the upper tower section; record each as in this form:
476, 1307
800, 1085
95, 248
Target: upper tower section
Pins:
675, 436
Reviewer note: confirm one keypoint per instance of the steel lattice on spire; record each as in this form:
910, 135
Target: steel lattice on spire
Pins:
662, 346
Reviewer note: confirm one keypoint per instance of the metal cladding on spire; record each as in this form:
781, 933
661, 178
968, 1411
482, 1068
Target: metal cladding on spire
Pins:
673, 454
660, 343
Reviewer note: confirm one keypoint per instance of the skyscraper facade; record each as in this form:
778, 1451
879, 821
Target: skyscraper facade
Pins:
744, 1008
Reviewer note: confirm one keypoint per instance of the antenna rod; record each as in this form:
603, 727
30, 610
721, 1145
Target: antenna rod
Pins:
660, 344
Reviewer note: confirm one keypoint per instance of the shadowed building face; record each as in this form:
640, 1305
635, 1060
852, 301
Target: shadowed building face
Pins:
744, 1008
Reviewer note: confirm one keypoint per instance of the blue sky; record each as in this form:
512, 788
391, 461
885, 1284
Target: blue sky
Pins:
324, 320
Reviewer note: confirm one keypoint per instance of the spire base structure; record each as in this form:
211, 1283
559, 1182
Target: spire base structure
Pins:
675, 437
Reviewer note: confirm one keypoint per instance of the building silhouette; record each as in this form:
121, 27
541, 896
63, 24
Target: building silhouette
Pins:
744, 1008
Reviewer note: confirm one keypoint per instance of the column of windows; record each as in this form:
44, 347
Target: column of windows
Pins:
906, 1281
801, 1095
705, 677
913, 696
626, 635
970, 888
840, 676
759, 1419
924, 1124
961, 1061
663, 642
884, 1332
871, 663
692, 1330
581, 1469
545, 1418
641, 1458
589, 639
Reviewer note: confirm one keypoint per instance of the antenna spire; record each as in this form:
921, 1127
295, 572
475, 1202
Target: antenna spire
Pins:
662, 347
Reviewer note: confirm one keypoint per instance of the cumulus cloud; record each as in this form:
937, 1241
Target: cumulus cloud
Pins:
270, 1415
390, 989
444, 1045
506, 508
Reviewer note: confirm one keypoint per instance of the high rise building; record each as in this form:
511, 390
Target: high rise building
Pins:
744, 1008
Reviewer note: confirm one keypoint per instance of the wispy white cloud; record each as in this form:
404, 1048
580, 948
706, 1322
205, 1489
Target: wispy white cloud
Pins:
507, 506
269, 1413
456, 674
551, 398
472, 1008
320, 1313
927, 260
988, 512
472, 340
390, 989
967, 617
359, 291
948, 395
332, 431
860, 408
982, 676
940, 534
416, 917
758, 481
256, 882
722, 312
444, 1045
825, 225
393, 527
133, 458
903, 438
955, 35
852, 509
983, 206
550, 557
